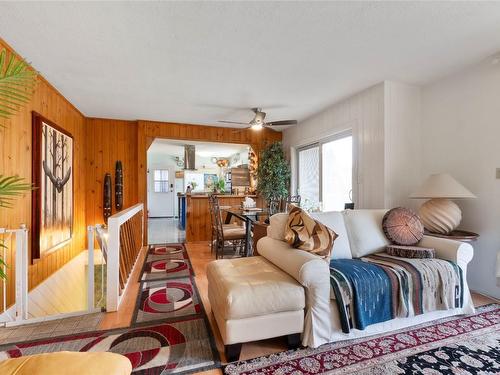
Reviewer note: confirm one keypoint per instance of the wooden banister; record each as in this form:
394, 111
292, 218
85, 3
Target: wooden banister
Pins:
125, 241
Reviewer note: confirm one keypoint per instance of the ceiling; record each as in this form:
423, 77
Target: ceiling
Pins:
169, 147
199, 62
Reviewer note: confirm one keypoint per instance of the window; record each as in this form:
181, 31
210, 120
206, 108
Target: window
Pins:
336, 173
161, 180
325, 173
308, 174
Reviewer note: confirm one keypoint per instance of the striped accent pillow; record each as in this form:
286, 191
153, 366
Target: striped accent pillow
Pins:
304, 233
410, 251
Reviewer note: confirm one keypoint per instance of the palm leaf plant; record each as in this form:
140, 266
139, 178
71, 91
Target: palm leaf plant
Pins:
17, 83
11, 187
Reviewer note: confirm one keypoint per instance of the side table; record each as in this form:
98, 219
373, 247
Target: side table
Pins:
259, 230
457, 235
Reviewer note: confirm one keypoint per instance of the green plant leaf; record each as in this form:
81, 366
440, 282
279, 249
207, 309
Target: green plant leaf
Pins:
2, 262
17, 82
11, 187
273, 172
2, 273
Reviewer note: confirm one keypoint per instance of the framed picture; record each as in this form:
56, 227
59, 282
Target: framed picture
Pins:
210, 180
52, 175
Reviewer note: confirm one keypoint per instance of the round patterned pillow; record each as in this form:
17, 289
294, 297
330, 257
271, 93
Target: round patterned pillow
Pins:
402, 226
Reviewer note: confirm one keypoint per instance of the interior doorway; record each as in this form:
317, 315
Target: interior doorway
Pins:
175, 167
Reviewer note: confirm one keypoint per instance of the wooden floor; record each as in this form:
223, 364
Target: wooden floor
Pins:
200, 256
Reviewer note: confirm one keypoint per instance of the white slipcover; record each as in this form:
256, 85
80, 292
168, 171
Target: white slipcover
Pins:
335, 221
364, 228
321, 323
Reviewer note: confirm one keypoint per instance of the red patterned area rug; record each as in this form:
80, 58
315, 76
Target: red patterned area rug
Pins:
458, 345
167, 291
180, 347
166, 261
166, 299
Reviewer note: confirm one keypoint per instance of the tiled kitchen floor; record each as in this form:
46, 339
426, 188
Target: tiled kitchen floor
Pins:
164, 230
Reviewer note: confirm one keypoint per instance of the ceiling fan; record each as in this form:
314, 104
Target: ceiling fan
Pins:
258, 122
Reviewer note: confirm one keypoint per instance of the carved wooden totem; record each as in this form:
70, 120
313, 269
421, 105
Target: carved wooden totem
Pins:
118, 185
106, 206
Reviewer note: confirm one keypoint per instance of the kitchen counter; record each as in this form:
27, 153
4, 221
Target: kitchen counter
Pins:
198, 226
222, 196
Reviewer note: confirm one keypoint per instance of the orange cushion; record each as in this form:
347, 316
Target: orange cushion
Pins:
88, 363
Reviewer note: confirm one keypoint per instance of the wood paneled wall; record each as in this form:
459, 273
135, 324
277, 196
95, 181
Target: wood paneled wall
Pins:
107, 142
15, 149
98, 143
149, 130
110, 140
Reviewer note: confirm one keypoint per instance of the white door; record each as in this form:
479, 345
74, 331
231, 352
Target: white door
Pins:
161, 192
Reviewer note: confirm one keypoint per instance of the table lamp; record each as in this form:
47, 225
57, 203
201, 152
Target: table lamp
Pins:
440, 214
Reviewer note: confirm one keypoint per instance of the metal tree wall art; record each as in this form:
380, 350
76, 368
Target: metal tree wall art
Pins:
52, 172
118, 185
57, 181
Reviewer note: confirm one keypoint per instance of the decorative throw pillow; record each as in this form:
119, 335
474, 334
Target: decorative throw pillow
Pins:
402, 226
410, 251
304, 233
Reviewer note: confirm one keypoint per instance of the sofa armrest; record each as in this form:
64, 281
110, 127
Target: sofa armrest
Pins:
456, 251
311, 272
308, 269
459, 252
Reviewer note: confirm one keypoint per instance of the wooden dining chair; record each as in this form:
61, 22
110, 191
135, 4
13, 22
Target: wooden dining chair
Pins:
291, 199
277, 205
226, 238
274, 206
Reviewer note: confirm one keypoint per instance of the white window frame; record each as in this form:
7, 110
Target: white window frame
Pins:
164, 185
320, 143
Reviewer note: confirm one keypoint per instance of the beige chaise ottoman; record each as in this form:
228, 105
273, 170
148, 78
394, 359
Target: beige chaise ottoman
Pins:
251, 300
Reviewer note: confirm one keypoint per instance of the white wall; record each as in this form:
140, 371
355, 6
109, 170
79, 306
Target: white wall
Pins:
385, 122
461, 136
364, 114
402, 144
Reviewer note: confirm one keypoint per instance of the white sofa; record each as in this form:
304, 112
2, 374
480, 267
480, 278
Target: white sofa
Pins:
360, 233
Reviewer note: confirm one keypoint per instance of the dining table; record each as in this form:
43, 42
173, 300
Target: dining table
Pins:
248, 216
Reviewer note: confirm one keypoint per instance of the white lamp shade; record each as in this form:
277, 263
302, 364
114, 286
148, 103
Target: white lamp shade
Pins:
442, 185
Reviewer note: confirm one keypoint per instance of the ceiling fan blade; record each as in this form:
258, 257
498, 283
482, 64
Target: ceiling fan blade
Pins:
282, 123
233, 122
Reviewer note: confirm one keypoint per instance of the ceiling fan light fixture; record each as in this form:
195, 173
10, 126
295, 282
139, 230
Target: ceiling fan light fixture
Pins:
256, 126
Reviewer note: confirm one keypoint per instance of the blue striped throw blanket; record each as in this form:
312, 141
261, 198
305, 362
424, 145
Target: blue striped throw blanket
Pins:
380, 287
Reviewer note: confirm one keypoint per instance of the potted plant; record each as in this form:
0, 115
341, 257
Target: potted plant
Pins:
273, 173
17, 82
